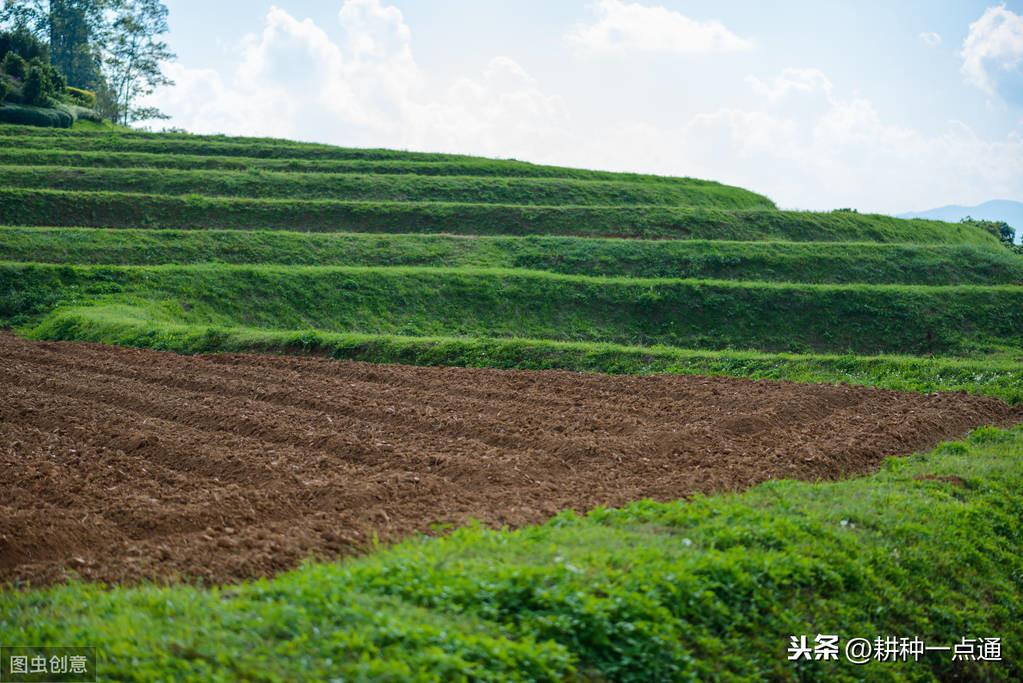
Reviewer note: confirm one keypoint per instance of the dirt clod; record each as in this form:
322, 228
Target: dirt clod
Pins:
123, 464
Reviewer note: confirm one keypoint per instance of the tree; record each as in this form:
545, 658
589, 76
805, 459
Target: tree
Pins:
75, 30
76, 39
133, 59
24, 44
110, 46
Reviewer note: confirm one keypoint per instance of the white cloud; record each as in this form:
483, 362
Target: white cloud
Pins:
800, 138
930, 38
993, 52
623, 27
807, 145
791, 80
294, 81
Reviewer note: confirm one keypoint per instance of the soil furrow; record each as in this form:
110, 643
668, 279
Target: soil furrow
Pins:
125, 464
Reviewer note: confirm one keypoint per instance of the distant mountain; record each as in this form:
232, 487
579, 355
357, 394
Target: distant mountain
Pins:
995, 210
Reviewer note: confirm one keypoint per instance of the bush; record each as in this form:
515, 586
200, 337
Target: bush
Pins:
1005, 233
3, 90
43, 84
14, 65
34, 90
83, 98
24, 44
35, 116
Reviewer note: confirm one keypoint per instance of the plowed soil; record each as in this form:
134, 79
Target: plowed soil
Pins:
123, 464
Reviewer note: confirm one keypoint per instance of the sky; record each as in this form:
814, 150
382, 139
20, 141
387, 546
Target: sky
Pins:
875, 105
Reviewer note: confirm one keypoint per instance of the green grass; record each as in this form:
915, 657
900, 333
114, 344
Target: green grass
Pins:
127, 210
769, 261
708, 589
104, 126
471, 302
164, 143
37, 156
373, 187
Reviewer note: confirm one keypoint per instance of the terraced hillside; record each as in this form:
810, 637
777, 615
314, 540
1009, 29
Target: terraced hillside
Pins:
201, 243
128, 465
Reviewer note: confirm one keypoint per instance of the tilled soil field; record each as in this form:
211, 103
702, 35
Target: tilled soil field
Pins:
123, 464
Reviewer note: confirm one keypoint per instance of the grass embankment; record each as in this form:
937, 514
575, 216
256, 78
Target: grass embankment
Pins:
702, 590
372, 187
768, 261
171, 143
128, 210
15, 156
409, 301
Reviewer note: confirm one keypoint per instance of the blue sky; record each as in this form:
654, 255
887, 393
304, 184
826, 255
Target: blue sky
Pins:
882, 106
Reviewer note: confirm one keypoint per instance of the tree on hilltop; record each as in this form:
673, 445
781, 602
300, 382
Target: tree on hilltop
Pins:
110, 46
133, 58
74, 30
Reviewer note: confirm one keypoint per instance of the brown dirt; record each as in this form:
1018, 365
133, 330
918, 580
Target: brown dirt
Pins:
123, 464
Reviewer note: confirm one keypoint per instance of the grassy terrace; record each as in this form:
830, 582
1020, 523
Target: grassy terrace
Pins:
819, 263
370, 187
412, 301
16, 155
206, 243
50, 207
188, 242
702, 590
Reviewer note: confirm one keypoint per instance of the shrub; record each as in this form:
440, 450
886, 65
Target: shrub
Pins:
14, 65
24, 44
35, 116
1005, 233
3, 90
34, 90
43, 84
83, 98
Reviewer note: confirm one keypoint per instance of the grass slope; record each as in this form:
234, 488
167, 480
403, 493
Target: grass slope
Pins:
702, 314
128, 210
163, 143
770, 261
708, 589
35, 156
371, 187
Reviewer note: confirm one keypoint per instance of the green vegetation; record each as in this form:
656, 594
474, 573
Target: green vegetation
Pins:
180, 143
15, 154
699, 590
517, 303
412, 188
109, 51
112, 209
36, 116
917, 264
254, 243
34, 92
